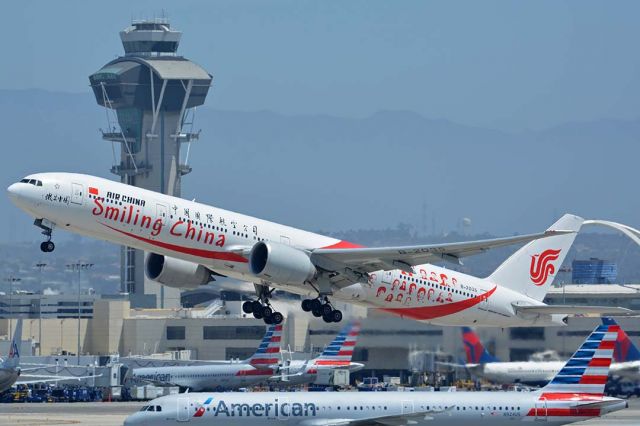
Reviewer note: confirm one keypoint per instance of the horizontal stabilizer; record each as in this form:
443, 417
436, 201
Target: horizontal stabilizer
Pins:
573, 310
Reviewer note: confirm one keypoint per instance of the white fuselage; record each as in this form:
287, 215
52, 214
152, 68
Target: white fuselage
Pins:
318, 408
216, 239
299, 372
205, 377
540, 373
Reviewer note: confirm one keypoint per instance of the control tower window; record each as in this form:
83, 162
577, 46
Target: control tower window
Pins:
150, 46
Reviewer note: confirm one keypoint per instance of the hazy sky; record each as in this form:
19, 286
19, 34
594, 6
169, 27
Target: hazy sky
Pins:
510, 65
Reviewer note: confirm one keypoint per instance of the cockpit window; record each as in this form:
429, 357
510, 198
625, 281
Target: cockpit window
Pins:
144, 408
158, 408
152, 408
34, 182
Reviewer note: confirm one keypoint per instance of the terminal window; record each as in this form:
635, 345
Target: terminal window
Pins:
527, 333
175, 333
233, 333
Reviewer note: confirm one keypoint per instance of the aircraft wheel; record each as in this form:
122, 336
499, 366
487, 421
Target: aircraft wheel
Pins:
316, 305
326, 310
316, 312
257, 314
257, 306
267, 311
247, 307
306, 305
327, 318
336, 315
268, 320
50, 246
277, 318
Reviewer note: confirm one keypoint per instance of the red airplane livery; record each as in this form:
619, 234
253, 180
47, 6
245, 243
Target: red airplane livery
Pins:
188, 242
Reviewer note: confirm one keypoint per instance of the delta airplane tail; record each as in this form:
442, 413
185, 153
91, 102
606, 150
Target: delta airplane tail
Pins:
267, 353
13, 359
475, 350
624, 350
340, 350
531, 269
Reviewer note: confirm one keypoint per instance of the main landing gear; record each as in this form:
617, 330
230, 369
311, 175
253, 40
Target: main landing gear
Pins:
321, 307
261, 308
45, 246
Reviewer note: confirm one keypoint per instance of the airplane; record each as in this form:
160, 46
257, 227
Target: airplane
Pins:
262, 365
480, 363
575, 394
11, 373
337, 355
188, 242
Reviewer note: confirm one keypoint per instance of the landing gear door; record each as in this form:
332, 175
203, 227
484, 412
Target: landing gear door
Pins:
161, 212
183, 410
77, 191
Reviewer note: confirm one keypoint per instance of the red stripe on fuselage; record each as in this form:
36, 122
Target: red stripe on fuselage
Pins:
331, 362
265, 372
343, 245
565, 412
430, 312
207, 254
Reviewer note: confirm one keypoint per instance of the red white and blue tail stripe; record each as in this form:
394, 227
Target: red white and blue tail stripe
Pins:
340, 351
269, 349
586, 372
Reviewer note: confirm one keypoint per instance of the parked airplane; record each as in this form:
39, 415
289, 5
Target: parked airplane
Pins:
188, 242
337, 355
262, 365
480, 363
575, 394
11, 372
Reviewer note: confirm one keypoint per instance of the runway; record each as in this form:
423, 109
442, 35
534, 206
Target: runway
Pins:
114, 413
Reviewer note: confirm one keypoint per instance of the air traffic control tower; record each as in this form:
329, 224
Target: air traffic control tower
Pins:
150, 95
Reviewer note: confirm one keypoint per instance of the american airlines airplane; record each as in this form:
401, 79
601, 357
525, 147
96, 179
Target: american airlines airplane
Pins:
189, 241
575, 394
262, 365
481, 363
337, 355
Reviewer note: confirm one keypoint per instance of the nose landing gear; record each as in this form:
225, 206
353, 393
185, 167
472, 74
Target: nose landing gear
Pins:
322, 308
45, 246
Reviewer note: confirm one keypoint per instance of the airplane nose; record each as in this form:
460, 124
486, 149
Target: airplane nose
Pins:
13, 191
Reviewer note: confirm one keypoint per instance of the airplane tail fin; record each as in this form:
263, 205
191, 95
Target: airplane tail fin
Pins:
269, 349
340, 350
531, 269
475, 350
13, 359
624, 349
586, 372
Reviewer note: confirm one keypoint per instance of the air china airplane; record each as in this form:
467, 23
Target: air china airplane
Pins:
337, 355
262, 365
189, 241
481, 363
575, 394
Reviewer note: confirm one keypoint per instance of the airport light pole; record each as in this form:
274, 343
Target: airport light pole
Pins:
11, 279
79, 266
40, 266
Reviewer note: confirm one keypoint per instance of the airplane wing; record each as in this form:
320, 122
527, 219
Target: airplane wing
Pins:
362, 261
46, 379
574, 310
394, 420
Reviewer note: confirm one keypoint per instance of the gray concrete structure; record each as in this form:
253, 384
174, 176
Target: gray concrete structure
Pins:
153, 93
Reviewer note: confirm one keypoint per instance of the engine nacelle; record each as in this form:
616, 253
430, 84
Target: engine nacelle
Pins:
280, 263
174, 272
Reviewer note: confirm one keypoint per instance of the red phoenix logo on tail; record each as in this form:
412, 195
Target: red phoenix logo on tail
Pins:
541, 266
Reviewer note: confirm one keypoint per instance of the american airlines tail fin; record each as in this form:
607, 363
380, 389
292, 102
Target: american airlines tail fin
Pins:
13, 359
269, 349
624, 350
586, 372
340, 350
531, 269
475, 350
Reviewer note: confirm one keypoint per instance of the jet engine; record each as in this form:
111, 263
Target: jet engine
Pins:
280, 263
174, 272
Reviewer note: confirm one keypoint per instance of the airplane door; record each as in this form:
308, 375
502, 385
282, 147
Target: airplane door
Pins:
183, 410
284, 409
285, 240
77, 191
407, 407
541, 410
161, 212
